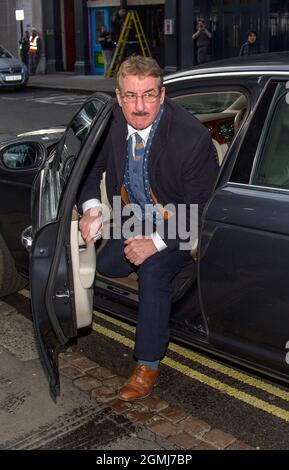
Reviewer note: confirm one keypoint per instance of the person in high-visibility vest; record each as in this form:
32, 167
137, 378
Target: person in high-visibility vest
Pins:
34, 51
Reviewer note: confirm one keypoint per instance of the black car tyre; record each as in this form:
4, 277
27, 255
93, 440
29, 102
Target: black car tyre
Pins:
10, 280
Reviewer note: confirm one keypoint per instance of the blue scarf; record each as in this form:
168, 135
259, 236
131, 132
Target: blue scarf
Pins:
146, 185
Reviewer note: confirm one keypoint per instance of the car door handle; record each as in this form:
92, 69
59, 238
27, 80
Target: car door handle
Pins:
26, 238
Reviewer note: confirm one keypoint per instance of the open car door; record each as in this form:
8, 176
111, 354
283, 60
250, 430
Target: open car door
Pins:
62, 266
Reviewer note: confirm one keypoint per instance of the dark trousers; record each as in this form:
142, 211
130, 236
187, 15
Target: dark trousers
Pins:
155, 293
25, 58
202, 55
33, 63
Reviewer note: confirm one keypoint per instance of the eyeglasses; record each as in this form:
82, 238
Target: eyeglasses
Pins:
149, 97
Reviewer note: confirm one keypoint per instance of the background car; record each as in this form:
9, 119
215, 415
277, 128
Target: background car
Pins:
13, 73
236, 289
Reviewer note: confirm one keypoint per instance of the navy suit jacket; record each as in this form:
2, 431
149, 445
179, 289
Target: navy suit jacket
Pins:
182, 164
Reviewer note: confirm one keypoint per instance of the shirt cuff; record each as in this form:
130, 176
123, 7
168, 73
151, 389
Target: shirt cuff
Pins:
158, 241
90, 203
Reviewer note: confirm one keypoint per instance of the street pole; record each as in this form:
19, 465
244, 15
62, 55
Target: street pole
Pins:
178, 38
19, 15
185, 31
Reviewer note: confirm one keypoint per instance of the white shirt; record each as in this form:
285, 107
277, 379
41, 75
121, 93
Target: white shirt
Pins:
144, 134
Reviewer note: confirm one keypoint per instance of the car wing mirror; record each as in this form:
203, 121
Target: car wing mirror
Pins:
22, 156
26, 238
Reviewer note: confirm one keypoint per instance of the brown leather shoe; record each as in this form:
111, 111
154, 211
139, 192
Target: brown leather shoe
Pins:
140, 383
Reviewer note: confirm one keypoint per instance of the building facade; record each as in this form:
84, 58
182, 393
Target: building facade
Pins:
151, 13
229, 21
8, 29
11, 29
69, 29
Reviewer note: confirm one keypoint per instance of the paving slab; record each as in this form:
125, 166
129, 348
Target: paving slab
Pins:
72, 82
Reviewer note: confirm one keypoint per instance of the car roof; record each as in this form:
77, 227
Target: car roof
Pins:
265, 64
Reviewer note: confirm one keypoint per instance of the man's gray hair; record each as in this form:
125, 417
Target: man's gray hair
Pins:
140, 65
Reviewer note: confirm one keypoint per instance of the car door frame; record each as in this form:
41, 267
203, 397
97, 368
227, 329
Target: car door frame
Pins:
249, 355
249, 86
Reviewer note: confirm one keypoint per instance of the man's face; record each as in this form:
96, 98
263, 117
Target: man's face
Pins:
252, 38
141, 112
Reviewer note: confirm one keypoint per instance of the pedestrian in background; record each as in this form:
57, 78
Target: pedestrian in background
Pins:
117, 22
24, 48
252, 45
203, 39
34, 51
106, 43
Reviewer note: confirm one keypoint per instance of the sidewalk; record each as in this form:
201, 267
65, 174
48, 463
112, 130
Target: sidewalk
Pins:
71, 82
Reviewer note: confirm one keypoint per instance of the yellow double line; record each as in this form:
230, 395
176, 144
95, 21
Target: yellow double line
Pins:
205, 379
205, 362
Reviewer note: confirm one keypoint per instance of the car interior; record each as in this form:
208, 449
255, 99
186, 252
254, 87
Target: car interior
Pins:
222, 113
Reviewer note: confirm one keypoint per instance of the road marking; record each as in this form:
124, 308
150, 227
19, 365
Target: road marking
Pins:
209, 363
204, 379
9, 98
63, 100
200, 377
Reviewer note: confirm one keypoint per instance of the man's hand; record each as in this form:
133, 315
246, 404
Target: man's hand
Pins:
208, 34
197, 34
90, 224
138, 249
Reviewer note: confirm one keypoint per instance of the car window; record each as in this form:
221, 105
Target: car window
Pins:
73, 139
56, 177
222, 112
203, 103
257, 150
4, 54
271, 167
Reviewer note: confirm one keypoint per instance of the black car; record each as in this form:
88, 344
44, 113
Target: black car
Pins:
233, 300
